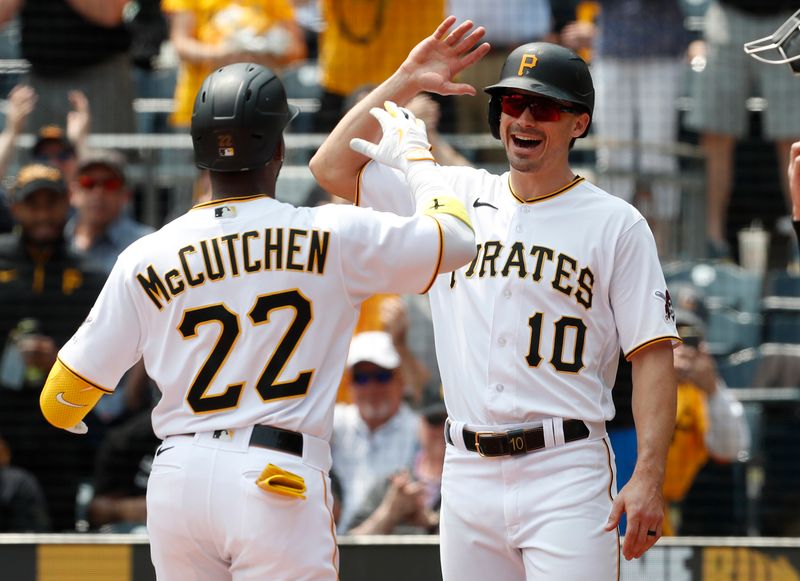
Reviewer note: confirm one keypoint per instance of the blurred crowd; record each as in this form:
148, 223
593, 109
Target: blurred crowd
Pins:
671, 78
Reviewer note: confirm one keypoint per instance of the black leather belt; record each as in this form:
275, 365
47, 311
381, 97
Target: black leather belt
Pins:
274, 439
516, 442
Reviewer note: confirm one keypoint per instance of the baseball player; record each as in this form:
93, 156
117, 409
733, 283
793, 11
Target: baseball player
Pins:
242, 310
527, 334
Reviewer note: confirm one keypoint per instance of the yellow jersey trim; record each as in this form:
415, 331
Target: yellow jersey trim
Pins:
335, 556
611, 495
646, 344
558, 192
212, 203
357, 199
82, 378
438, 260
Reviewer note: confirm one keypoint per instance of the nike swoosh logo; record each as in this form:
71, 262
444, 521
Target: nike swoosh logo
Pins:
477, 204
160, 450
60, 399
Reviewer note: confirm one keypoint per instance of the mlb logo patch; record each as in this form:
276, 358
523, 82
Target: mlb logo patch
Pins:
224, 212
226, 152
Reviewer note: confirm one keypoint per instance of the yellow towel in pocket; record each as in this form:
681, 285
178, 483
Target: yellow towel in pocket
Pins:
280, 481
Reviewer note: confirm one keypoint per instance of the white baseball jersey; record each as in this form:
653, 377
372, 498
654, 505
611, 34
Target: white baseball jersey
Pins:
532, 327
243, 310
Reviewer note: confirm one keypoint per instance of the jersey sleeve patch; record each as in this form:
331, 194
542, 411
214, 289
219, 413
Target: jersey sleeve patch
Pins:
448, 205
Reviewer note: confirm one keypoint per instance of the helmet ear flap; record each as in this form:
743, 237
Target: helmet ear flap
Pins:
494, 116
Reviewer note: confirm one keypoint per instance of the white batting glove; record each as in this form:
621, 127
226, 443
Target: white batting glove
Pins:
404, 138
79, 428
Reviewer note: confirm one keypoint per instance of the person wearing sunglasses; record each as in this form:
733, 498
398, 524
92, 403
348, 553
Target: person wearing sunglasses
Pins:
376, 435
101, 227
528, 333
45, 293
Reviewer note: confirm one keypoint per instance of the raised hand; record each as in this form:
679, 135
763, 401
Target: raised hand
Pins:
79, 118
433, 63
21, 102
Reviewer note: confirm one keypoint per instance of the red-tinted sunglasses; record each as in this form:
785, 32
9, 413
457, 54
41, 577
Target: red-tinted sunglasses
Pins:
541, 108
111, 184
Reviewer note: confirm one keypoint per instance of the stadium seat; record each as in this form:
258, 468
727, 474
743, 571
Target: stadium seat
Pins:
768, 365
781, 308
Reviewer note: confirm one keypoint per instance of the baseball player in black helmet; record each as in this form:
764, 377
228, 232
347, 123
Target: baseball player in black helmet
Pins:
242, 310
528, 334
238, 120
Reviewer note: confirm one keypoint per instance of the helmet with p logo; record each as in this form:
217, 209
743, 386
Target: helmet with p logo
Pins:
546, 69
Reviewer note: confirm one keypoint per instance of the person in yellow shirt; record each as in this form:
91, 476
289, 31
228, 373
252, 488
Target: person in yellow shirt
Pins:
710, 422
209, 33
364, 42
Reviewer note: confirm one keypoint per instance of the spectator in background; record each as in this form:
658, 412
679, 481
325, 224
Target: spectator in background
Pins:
309, 17
575, 25
121, 470
710, 422
363, 43
22, 505
719, 94
210, 34
375, 436
638, 64
53, 145
45, 293
508, 24
101, 228
394, 318
77, 44
408, 502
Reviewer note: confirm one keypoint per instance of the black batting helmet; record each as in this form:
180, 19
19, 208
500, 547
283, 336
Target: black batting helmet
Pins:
239, 116
546, 69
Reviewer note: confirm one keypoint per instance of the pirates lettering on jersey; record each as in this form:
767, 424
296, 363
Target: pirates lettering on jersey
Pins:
570, 278
215, 259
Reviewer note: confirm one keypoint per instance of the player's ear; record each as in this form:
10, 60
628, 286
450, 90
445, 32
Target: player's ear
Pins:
581, 123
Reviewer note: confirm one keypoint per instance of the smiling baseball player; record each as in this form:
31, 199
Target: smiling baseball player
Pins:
528, 334
242, 310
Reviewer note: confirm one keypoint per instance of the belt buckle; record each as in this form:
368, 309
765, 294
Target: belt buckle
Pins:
478, 442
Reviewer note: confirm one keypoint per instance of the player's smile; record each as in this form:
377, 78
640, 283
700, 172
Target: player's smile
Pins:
525, 141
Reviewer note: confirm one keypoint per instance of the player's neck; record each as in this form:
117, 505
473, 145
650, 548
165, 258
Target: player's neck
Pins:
532, 185
239, 184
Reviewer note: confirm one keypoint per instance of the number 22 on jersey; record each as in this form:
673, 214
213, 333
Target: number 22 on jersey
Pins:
267, 386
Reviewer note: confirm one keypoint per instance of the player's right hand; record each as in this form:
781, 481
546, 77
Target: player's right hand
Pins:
404, 140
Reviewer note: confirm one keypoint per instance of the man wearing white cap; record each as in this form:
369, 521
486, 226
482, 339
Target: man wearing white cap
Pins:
376, 435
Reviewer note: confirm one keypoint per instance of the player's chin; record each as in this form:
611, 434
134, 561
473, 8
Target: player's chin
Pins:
524, 164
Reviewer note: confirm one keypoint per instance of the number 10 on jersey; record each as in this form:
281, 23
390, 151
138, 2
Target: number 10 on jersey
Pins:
564, 329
